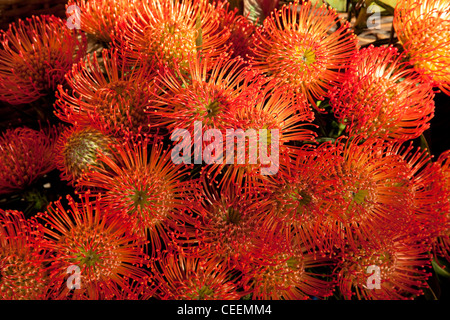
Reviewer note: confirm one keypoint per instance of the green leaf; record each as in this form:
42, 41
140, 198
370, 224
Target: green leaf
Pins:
337, 130
424, 144
439, 270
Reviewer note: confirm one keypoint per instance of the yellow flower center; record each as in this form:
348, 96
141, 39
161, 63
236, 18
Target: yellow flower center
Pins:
175, 41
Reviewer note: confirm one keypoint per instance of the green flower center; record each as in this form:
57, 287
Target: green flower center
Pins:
174, 41
301, 197
212, 109
139, 198
293, 264
203, 292
232, 216
89, 258
360, 196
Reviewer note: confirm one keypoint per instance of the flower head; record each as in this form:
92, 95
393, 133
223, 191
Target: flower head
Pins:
189, 278
170, 31
376, 188
22, 260
423, 28
296, 196
100, 245
296, 46
391, 269
110, 95
267, 126
35, 54
284, 269
381, 96
210, 92
140, 183
228, 218
25, 156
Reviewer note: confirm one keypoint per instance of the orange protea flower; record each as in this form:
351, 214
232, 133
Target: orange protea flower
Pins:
209, 93
423, 28
399, 262
227, 221
35, 54
273, 118
189, 278
77, 148
381, 96
296, 196
110, 95
25, 156
140, 183
22, 268
100, 245
375, 184
296, 45
283, 268
167, 31
100, 17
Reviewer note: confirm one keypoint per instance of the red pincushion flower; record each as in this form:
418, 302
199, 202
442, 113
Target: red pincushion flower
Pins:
35, 54
296, 46
283, 268
168, 31
100, 17
423, 28
140, 183
210, 93
274, 118
296, 202
110, 95
228, 220
391, 269
78, 148
25, 156
381, 96
376, 188
189, 278
101, 245
23, 273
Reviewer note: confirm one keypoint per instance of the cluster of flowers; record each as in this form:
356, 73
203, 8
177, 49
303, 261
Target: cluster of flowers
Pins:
139, 226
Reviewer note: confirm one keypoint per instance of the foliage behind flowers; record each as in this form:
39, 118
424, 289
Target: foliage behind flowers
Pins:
89, 184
